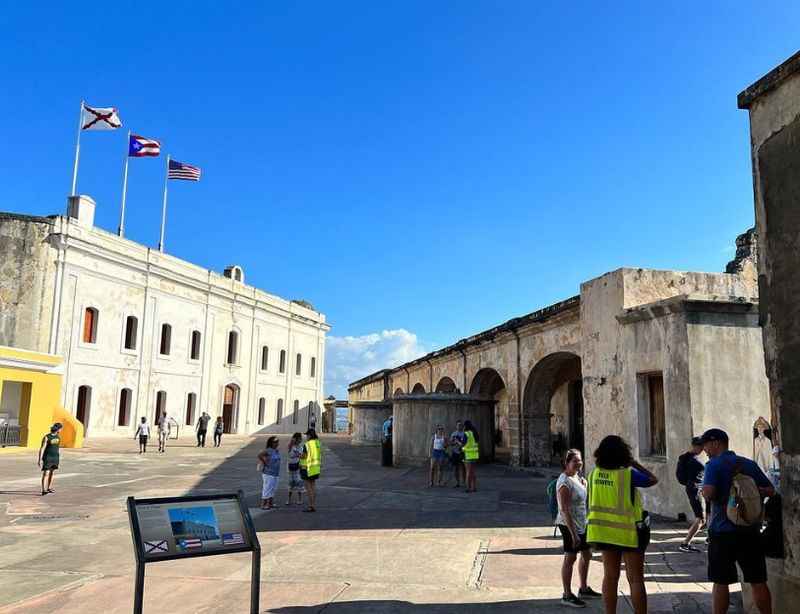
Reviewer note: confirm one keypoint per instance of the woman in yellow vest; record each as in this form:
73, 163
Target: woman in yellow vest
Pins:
471, 455
310, 466
616, 524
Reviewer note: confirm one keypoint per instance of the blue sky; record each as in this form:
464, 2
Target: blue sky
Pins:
419, 171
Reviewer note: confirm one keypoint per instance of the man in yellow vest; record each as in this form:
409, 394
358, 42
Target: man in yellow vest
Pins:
616, 523
471, 452
310, 466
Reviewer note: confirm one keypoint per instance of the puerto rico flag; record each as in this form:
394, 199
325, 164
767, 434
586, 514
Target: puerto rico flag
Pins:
139, 147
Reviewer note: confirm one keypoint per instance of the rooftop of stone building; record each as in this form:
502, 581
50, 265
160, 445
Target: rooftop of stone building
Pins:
769, 81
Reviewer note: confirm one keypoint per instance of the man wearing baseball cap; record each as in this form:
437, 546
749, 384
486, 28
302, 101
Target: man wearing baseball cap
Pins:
730, 544
689, 473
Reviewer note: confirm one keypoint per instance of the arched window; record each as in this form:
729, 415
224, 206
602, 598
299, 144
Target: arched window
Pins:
124, 417
279, 415
282, 365
264, 358
131, 330
90, 317
262, 406
313, 366
83, 405
166, 340
299, 366
161, 404
191, 403
295, 411
194, 351
233, 347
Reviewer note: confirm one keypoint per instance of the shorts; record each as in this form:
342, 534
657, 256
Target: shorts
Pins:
744, 547
694, 501
295, 483
270, 484
438, 456
143, 439
456, 458
307, 478
569, 547
642, 535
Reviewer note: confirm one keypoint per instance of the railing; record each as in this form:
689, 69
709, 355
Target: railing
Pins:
9, 435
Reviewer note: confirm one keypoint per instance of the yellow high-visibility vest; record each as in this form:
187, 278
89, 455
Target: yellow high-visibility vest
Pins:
470, 449
612, 515
314, 457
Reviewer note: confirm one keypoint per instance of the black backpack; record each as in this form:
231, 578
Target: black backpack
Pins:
680, 470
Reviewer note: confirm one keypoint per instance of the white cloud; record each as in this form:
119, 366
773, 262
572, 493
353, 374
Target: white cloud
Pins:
350, 358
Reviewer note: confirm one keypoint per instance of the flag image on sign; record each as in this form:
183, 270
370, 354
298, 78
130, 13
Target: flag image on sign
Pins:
156, 547
231, 539
139, 147
97, 118
190, 544
180, 170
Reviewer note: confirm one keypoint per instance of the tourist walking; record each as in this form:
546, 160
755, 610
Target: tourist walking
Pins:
49, 456
457, 440
471, 455
310, 467
571, 521
437, 455
143, 433
219, 428
270, 462
617, 525
689, 473
164, 427
735, 524
295, 483
202, 429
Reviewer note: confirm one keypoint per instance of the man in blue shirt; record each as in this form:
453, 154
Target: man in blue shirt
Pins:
731, 544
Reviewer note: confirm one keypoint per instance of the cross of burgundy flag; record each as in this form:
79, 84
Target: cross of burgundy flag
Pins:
138, 147
96, 118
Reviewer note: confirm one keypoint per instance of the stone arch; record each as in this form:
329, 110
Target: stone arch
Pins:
398, 391
553, 408
489, 384
418, 388
446, 385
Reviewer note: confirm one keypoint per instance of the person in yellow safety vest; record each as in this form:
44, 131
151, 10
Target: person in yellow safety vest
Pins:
471, 452
310, 466
616, 524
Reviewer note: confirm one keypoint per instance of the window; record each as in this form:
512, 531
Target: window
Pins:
653, 423
83, 404
280, 411
191, 403
124, 417
194, 351
233, 347
299, 366
313, 366
282, 365
295, 411
264, 358
262, 405
166, 340
161, 404
131, 329
90, 317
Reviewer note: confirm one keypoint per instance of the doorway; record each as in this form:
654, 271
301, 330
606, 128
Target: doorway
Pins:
83, 406
230, 407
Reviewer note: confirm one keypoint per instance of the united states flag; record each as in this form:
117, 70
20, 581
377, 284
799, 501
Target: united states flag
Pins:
179, 170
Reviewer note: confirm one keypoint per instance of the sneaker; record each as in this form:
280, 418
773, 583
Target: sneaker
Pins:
588, 592
688, 548
572, 601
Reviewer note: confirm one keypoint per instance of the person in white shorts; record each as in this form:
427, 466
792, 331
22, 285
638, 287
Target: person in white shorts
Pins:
270, 462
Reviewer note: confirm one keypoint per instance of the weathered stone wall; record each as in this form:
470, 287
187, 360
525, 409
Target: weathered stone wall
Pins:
774, 106
368, 423
27, 272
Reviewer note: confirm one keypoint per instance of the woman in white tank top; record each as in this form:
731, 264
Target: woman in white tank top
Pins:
438, 456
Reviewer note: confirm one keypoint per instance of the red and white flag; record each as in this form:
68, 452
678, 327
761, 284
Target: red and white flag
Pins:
97, 118
139, 147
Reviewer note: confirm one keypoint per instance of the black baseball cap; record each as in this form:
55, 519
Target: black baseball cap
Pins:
697, 441
714, 435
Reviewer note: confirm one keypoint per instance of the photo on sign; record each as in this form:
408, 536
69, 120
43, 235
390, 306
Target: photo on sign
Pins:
194, 527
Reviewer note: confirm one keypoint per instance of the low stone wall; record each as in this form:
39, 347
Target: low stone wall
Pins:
368, 419
416, 417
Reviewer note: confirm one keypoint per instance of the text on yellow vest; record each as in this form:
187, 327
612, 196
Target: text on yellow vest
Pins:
612, 514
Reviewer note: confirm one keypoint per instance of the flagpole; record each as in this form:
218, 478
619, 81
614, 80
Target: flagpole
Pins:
164, 209
77, 151
121, 229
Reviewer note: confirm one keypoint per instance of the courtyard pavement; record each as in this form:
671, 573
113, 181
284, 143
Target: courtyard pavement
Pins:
381, 541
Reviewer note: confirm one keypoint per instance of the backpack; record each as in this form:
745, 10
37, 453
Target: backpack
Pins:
744, 507
680, 470
552, 498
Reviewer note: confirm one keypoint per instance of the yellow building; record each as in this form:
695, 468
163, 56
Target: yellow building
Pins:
30, 390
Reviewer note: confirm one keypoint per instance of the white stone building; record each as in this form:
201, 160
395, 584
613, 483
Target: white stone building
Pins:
141, 330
